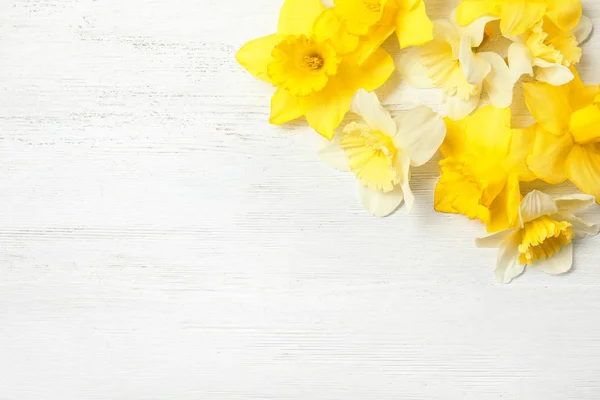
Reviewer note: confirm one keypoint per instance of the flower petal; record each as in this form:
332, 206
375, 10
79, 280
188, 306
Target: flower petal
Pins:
457, 109
474, 67
518, 16
583, 168
565, 13
367, 105
421, 131
581, 228
329, 27
499, 83
560, 263
508, 266
298, 16
470, 10
554, 74
411, 69
284, 107
413, 26
331, 153
549, 105
520, 60
409, 198
547, 158
582, 95
255, 55
583, 31
476, 30
378, 203
574, 202
504, 210
495, 240
585, 125
536, 204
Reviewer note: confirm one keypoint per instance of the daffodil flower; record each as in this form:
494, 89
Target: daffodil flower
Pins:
547, 52
375, 20
381, 150
314, 76
483, 165
452, 63
543, 239
567, 134
518, 16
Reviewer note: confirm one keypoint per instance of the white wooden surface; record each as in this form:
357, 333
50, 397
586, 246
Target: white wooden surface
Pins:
159, 240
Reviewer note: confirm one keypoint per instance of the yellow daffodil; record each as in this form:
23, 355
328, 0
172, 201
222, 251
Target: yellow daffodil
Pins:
567, 134
373, 21
517, 16
315, 77
483, 165
543, 239
547, 52
380, 151
452, 63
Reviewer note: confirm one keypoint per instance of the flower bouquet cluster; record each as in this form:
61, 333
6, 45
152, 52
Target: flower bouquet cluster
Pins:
326, 62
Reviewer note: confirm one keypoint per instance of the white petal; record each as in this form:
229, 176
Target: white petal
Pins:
508, 266
499, 83
378, 203
494, 240
367, 105
583, 31
536, 204
412, 70
474, 67
520, 60
457, 109
475, 31
574, 202
554, 74
420, 134
331, 153
559, 263
580, 227
447, 31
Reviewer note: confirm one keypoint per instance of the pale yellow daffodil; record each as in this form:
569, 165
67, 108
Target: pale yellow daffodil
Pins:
380, 150
315, 77
544, 237
518, 16
567, 141
453, 63
547, 52
373, 21
483, 165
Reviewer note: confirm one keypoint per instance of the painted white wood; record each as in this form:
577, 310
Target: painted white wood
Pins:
160, 240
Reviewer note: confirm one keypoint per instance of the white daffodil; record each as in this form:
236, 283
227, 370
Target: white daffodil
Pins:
544, 238
546, 52
451, 62
380, 151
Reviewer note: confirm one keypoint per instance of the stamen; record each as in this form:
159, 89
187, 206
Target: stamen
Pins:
313, 62
373, 6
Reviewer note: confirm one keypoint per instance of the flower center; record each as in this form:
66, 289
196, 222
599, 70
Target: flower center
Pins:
313, 62
542, 238
372, 157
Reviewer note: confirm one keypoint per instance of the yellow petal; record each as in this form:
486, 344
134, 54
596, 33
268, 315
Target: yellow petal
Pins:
583, 168
520, 147
581, 94
547, 158
504, 211
284, 107
255, 55
378, 33
549, 105
489, 132
329, 27
585, 125
413, 26
565, 13
470, 10
298, 16
326, 109
455, 144
518, 16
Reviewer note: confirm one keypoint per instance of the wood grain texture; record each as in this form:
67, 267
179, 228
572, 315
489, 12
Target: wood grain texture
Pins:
160, 240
